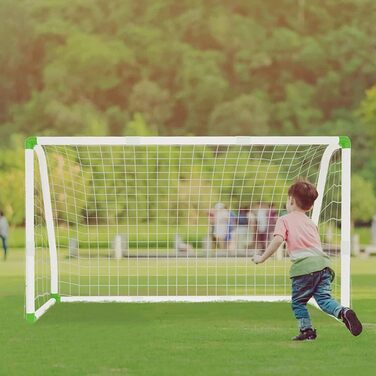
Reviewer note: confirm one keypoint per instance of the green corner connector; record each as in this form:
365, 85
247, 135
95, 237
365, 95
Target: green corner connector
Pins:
30, 317
30, 142
345, 142
56, 297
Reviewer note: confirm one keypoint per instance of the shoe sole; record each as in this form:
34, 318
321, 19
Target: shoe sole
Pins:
352, 322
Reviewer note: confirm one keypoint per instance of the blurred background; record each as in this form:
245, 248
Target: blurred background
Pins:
167, 67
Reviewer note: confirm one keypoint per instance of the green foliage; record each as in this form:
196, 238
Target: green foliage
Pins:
12, 180
234, 176
201, 86
153, 102
367, 128
81, 67
86, 64
363, 200
138, 127
12, 195
185, 68
368, 107
295, 111
247, 114
70, 181
18, 56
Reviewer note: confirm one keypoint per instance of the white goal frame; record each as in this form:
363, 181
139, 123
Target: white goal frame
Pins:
34, 149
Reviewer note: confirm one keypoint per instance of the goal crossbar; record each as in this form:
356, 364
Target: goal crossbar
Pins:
185, 140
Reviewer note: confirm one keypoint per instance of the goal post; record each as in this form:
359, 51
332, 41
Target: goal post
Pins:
219, 196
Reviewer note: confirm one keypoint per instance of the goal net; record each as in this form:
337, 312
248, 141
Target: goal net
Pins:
139, 219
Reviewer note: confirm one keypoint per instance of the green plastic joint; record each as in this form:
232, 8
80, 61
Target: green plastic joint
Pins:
30, 142
344, 142
30, 317
56, 297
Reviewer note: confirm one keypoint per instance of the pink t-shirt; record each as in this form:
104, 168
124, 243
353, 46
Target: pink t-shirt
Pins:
300, 233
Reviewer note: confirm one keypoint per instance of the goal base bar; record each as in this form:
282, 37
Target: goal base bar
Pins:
33, 317
182, 299
172, 299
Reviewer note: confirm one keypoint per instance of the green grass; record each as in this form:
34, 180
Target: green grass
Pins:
364, 234
181, 339
139, 235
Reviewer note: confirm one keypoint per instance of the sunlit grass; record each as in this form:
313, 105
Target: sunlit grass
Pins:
180, 339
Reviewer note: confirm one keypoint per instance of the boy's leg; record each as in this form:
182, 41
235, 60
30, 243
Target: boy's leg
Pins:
325, 301
301, 293
323, 293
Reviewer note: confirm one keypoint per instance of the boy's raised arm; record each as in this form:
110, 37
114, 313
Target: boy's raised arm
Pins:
272, 247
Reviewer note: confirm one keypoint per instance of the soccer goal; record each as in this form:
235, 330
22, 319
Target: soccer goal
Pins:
174, 219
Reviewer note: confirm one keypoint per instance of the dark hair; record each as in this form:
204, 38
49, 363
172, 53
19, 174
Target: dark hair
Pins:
304, 193
1, 213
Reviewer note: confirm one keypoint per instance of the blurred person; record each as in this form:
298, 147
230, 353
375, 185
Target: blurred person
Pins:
262, 226
231, 226
221, 222
4, 230
272, 220
239, 235
211, 216
252, 227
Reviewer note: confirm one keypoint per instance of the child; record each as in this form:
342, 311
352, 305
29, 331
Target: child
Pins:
239, 235
221, 222
262, 226
4, 233
310, 272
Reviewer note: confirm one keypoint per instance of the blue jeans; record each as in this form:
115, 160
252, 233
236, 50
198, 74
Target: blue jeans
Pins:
318, 286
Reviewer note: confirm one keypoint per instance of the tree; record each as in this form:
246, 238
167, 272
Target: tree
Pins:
367, 120
190, 68
245, 115
86, 65
139, 127
201, 86
296, 112
152, 101
19, 56
363, 200
12, 178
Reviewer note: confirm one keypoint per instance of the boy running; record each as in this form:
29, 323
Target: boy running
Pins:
310, 272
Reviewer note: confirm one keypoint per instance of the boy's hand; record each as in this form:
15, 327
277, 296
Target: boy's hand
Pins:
257, 259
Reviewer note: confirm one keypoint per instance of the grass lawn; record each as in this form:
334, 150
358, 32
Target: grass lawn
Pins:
181, 339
